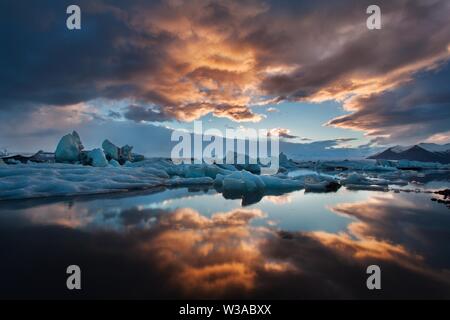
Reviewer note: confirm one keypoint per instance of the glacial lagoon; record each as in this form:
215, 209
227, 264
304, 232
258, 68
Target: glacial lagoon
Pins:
193, 243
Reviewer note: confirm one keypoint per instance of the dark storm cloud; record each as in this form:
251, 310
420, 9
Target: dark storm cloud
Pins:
140, 113
416, 110
192, 58
349, 56
44, 63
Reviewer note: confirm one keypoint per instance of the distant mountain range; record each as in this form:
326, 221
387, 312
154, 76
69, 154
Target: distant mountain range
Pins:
425, 152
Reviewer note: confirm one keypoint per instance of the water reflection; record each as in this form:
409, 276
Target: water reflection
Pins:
195, 244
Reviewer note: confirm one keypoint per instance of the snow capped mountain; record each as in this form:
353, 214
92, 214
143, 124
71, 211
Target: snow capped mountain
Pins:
425, 152
398, 149
433, 147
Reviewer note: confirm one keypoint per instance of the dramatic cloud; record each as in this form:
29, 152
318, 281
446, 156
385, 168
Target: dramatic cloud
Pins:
417, 110
139, 113
185, 59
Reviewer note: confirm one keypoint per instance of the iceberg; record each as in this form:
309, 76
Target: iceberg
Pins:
39, 156
69, 148
366, 187
418, 165
96, 158
180, 182
111, 150
242, 181
246, 182
114, 163
243, 162
360, 179
322, 186
121, 155
276, 183
359, 165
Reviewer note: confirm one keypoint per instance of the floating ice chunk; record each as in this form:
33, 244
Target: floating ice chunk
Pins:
241, 181
96, 158
399, 182
114, 163
417, 165
243, 162
360, 179
111, 150
322, 186
225, 166
137, 157
194, 171
122, 154
190, 181
45, 180
199, 170
13, 161
2, 163
275, 183
219, 180
359, 165
155, 172
319, 182
386, 163
366, 187
125, 153
69, 148
253, 168
236, 185
245, 182
213, 170
285, 163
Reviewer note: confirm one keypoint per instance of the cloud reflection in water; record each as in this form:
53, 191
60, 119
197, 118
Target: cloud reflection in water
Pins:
143, 252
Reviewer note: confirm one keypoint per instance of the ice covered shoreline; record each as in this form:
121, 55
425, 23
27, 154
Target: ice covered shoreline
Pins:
35, 180
73, 171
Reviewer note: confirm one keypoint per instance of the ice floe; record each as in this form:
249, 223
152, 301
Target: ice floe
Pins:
101, 171
46, 180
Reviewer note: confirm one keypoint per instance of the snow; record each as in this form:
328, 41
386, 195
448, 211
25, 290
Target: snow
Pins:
433, 147
399, 149
69, 148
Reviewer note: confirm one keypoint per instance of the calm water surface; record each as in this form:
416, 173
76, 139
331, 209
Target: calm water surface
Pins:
194, 243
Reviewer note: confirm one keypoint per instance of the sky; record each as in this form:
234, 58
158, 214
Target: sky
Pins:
309, 70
